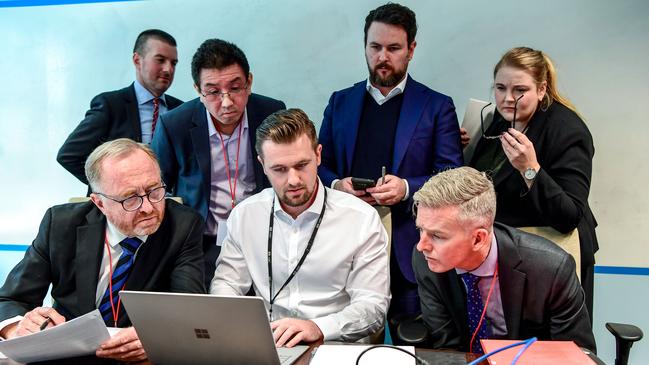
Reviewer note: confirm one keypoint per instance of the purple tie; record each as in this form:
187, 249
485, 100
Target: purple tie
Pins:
474, 306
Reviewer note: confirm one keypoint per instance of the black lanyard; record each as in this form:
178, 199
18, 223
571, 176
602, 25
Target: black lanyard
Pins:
299, 264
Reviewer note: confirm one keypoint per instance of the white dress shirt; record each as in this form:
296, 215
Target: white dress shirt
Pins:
343, 284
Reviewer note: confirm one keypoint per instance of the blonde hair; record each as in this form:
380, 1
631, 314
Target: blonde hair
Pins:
464, 187
121, 147
540, 67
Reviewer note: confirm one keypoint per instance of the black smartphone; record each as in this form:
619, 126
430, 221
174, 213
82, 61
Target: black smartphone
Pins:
362, 184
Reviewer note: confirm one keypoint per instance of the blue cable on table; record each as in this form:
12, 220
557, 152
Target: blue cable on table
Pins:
527, 344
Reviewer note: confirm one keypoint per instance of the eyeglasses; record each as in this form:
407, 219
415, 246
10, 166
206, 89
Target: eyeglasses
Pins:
215, 94
513, 125
134, 202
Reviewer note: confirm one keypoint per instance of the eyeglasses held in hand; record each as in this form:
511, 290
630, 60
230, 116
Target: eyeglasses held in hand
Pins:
513, 123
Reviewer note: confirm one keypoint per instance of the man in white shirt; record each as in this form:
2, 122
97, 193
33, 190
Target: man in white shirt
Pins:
325, 250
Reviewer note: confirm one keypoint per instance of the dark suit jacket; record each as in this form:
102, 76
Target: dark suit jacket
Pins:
182, 143
112, 115
559, 195
540, 293
426, 141
68, 250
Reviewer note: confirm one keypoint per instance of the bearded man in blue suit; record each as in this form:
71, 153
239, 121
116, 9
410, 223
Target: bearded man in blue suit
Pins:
391, 121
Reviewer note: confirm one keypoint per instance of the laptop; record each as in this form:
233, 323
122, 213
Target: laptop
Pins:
199, 329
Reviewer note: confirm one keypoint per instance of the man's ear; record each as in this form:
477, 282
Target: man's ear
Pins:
318, 154
481, 237
96, 199
261, 161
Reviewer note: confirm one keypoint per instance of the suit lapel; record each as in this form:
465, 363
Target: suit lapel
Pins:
411, 110
201, 142
456, 301
133, 113
512, 282
90, 245
254, 120
352, 120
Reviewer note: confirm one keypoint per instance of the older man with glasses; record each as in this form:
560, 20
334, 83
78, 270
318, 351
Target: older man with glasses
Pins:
127, 237
206, 147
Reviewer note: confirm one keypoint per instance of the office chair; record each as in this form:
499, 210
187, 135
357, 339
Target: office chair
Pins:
625, 336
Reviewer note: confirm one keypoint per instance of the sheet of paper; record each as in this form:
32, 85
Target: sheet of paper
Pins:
347, 354
2, 356
78, 337
471, 123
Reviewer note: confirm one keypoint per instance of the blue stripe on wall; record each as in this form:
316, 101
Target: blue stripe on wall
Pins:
621, 270
614, 270
13, 247
22, 3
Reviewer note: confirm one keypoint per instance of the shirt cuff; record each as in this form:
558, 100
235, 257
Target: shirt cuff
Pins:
333, 183
407, 195
329, 327
8, 322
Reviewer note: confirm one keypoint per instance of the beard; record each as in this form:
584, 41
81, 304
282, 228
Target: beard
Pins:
299, 200
390, 80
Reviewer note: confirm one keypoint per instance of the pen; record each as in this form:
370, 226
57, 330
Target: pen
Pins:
382, 175
44, 325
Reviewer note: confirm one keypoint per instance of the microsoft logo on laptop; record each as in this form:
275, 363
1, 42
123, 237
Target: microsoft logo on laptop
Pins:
201, 333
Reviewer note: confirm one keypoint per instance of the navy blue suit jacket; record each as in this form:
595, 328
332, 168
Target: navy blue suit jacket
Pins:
426, 141
181, 141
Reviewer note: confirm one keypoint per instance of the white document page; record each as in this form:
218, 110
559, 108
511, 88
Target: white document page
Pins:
471, 123
78, 337
347, 354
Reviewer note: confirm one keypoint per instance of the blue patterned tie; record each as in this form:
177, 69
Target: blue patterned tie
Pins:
120, 274
474, 306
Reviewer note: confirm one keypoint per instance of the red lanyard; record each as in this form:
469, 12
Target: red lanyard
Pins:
484, 310
110, 284
233, 190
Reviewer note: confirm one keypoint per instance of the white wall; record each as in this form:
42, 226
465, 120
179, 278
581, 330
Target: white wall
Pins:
55, 58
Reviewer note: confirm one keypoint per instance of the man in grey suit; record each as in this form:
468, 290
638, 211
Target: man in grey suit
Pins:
127, 237
130, 112
465, 262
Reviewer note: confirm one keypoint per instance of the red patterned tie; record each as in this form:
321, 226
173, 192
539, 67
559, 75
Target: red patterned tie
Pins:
156, 111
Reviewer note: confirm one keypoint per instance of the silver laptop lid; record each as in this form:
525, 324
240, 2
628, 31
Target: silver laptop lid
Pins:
202, 329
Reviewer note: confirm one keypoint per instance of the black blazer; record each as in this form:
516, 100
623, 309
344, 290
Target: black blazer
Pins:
540, 293
182, 143
67, 253
559, 195
112, 115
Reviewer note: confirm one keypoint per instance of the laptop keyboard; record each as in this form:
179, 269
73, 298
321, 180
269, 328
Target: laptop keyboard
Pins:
284, 359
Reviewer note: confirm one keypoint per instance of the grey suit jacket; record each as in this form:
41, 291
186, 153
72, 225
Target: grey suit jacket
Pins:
67, 253
540, 293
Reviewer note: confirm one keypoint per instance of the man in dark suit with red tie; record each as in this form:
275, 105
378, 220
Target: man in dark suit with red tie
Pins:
127, 237
130, 112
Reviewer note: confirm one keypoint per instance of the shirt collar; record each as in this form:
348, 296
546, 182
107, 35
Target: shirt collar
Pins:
144, 96
115, 236
488, 266
376, 93
212, 130
315, 208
